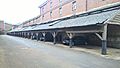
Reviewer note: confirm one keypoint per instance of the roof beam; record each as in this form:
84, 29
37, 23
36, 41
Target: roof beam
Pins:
86, 31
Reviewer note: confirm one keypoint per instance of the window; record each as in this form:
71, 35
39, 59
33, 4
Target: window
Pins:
60, 8
60, 11
43, 17
74, 7
51, 14
51, 8
60, 1
42, 10
50, 4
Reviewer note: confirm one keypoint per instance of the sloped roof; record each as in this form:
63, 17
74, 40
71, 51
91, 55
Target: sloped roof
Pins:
80, 21
116, 19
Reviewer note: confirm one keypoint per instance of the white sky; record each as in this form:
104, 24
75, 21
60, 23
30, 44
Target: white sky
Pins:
18, 11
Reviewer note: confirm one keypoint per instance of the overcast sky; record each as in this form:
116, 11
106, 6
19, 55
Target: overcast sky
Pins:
18, 11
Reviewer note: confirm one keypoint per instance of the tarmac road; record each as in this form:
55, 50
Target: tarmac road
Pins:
18, 52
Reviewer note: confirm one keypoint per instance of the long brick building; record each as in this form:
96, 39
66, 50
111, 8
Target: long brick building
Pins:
56, 9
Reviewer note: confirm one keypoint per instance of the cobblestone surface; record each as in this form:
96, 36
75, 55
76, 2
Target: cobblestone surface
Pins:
18, 52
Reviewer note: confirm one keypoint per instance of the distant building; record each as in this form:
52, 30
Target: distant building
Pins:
1, 25
5, 27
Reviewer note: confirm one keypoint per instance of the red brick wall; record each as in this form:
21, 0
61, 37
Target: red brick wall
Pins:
55, 3
97, 3
81, 5
55, 13
66, 10
47, 7
46, 17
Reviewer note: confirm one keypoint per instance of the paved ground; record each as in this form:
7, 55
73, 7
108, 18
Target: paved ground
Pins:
112, 53
17, 52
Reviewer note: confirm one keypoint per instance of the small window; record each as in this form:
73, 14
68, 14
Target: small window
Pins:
51, 8
50, 13
50, 1
42, 10
60, 8
43, 17
60, 11
74, 5
60, 2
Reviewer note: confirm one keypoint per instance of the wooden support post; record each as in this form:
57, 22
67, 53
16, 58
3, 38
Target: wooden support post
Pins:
70, 35
15, 34
44, 33
103, 38
37, 36
23, 34
54, 37
28, 35
104, 41
71, 43
31, 35
20, 34
100, 37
